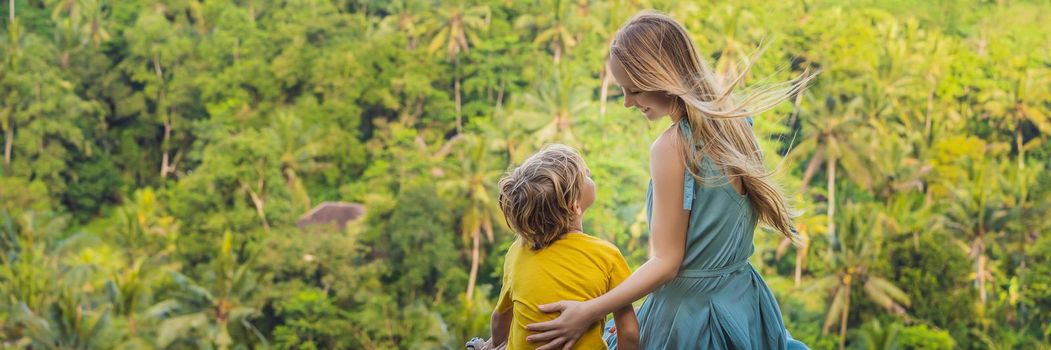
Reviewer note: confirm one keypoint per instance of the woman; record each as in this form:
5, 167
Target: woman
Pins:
708, 191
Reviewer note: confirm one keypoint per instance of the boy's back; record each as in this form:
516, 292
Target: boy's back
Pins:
576, 267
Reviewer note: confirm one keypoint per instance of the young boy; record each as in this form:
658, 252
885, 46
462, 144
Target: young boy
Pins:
544, 201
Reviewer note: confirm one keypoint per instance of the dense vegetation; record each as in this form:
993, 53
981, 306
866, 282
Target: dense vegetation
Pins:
157, 153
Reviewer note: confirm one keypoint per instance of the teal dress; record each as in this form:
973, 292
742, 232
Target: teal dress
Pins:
718, 300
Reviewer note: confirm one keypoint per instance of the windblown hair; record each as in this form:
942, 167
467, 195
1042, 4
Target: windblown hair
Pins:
658, 55
538, 197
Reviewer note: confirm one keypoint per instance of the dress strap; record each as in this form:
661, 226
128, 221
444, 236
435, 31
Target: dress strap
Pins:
689, 184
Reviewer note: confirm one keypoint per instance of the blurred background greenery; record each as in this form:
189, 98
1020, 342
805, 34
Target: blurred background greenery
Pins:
158, 153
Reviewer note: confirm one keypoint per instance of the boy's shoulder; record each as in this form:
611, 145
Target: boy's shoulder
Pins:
595, 243
574, 241
515, 247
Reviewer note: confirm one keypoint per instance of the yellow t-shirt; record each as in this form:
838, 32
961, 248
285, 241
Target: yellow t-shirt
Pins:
577, 267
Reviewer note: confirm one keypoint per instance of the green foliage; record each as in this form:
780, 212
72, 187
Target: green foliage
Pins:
923, 337
312, 321
155, 156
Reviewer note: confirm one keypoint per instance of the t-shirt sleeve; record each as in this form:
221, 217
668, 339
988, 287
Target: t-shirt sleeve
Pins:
619, 270
504, 303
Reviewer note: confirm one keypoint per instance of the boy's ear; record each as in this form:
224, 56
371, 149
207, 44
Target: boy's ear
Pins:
576, 208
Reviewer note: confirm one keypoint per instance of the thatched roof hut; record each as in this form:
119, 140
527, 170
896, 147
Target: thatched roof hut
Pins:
327, 213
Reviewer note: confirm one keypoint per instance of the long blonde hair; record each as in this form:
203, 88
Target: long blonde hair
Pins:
658, 55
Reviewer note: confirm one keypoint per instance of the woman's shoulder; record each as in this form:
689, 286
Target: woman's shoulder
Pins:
669, 139
665, 154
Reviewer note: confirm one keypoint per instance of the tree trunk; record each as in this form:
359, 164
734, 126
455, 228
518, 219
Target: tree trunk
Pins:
800, 257
927, 118
459, 121
487, 226
830, 165
295, 185
164, 147
1018, 143
9, 135
500, 96
795, 109
167, 117
843, 318
604, 94
981, 277
133, 327
474, 264
259, 203
811, 169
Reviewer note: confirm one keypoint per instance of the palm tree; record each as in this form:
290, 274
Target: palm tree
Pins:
38, 290
724, 34
129, 292
554, 103
473, 177
808, 227
1020, 185
614, 15
829, 136
148, 237
79, 22
405, 17
902, 165
850, 254
11, 66
30, 258
1017, 96
69, 322
206, 313
456, 28
978, 215
877, 337
144, 229
300, 152
562, 30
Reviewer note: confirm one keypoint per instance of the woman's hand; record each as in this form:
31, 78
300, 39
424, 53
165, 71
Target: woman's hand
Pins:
563, 332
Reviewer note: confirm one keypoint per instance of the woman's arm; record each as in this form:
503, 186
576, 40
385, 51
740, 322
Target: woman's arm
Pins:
668, 241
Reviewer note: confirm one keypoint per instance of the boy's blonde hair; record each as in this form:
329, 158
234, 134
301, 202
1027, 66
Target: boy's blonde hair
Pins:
537, 198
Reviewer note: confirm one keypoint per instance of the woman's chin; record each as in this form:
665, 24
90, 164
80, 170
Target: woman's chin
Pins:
652, 116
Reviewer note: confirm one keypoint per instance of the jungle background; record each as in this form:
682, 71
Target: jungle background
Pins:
158, 153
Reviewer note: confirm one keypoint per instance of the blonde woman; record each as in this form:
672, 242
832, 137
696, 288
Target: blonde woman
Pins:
708, 191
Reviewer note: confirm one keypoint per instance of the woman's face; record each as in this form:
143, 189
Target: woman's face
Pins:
653, 104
